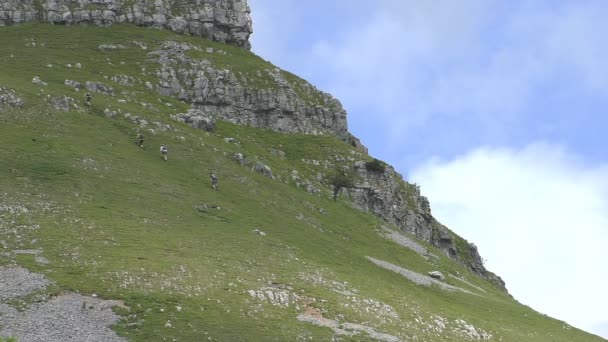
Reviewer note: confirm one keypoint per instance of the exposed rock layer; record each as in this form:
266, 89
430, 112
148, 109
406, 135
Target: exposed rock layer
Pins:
281, 105
386, 195
225, 21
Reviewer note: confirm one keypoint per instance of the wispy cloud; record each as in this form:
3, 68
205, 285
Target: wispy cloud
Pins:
506, 71
423, 78
538, 215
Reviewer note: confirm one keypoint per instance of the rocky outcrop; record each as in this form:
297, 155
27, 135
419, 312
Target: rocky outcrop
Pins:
8, 98
383, 192
224, 21
280, 104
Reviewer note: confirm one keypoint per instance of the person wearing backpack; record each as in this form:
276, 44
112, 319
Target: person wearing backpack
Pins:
214, 181
163, 151
139, 140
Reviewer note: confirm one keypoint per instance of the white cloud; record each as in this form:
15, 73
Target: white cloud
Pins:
539, 216
415, 63
601, 329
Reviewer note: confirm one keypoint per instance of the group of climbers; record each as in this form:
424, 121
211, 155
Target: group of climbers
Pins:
164, 151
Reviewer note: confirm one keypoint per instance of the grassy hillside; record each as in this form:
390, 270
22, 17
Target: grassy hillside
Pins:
117, 221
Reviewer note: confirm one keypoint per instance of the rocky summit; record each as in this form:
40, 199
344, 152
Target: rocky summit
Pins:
225, 21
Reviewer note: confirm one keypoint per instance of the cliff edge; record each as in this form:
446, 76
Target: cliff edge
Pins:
224, 21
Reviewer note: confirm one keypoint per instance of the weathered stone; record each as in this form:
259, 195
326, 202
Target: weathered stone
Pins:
387, 196
240, 158
38, 81
437, 275
109, 47
259, 232
197, 119
225, 95
98, 87
74, 84
263, 169
9, 98
224, 21
63, 103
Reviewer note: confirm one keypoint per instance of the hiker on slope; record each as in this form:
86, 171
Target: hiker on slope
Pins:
214, 181
163, 151
139, 140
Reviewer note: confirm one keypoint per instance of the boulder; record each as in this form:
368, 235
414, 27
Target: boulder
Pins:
197, 119
263, 169
437, 275
240, 158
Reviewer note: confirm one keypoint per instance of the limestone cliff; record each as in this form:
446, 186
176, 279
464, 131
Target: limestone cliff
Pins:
225, 21
266, 97
383, 192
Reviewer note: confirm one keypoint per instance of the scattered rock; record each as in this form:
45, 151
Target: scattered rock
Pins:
124, 80
240, 158
37, 80
263, 169
277, 153
8, 97
315, 316
231, 141
110, 47
109, 113
62, 103
437, 275
74, 84
197, 119
98, 87
259, 232
417, 278
277, 296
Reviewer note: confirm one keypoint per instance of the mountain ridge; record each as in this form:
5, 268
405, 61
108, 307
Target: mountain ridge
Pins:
270, 255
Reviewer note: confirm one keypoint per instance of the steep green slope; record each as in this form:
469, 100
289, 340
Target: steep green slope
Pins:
117, 221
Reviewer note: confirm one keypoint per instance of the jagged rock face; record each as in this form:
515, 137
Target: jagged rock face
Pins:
223, 94
225, 21
386, 195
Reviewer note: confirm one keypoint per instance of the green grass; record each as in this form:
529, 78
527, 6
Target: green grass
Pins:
117, 221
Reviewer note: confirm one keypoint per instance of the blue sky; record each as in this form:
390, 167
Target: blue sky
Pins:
497, 109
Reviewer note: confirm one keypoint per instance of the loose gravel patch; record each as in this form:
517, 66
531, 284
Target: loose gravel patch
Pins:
417, 278
18, 282
313, 316
407, 243
68, 317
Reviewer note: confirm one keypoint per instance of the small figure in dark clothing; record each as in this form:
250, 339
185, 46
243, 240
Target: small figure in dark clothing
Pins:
163, 151
139, 140
214, 184
87, 98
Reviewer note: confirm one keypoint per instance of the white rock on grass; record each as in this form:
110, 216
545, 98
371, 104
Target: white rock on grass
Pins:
37, 80
259, 232
417, 278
